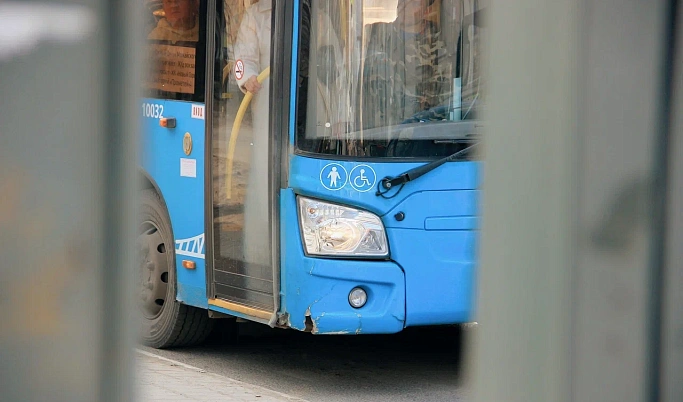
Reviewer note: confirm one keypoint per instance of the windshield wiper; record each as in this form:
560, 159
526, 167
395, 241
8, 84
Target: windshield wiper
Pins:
389, 183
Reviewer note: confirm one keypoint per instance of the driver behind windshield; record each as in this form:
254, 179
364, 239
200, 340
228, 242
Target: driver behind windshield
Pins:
407, 69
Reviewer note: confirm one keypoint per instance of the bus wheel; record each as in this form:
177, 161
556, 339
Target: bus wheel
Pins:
165, 322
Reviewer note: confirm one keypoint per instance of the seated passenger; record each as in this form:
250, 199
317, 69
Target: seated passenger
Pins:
180, 23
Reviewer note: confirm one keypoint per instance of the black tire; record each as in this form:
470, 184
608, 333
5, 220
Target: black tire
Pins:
164, 322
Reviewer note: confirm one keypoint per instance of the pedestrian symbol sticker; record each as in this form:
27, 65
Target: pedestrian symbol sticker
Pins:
333, 176
239, 69
362, 178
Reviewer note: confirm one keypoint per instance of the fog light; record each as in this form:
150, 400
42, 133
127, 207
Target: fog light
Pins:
357, 298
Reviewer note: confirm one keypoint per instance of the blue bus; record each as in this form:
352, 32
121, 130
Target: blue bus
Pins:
309, 165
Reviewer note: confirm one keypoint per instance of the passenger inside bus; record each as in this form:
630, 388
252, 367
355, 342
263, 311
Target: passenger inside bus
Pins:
180, 22
252, 57
253, 46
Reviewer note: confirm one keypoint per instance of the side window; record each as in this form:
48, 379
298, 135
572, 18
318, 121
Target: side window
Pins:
176, 49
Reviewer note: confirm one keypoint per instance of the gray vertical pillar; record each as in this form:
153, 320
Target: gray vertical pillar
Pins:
529, 175
123, 71
66, 162
672, 312
571, 238
623, 52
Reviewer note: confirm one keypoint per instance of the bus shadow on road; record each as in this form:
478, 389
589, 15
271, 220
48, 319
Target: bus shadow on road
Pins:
412, 362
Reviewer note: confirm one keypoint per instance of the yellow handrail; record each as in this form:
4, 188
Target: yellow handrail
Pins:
236, 128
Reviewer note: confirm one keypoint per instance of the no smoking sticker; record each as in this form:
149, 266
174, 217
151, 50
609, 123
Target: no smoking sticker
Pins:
239, 69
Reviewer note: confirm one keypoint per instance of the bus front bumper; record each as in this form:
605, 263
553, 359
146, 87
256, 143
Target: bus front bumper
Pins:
317, 297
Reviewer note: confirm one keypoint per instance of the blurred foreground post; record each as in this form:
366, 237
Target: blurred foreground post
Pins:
580, 276
67, 85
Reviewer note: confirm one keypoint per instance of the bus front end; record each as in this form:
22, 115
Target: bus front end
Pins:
379, 216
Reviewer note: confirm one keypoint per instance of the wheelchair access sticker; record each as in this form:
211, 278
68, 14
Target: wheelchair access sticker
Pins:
362, 178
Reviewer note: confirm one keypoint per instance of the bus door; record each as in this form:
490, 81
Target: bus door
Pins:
241, 280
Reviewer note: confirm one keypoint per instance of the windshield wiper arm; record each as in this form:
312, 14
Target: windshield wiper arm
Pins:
390, 182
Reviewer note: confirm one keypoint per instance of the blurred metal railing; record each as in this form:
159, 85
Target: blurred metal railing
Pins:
581, 211
68, 80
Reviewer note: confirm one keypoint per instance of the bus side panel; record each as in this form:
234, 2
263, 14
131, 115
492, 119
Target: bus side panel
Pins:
315, 290
436, 245
440, 273
180, 178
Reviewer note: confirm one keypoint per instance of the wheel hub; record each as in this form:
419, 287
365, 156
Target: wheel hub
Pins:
152, 270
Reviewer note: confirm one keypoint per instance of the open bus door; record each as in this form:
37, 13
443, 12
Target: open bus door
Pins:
242, 142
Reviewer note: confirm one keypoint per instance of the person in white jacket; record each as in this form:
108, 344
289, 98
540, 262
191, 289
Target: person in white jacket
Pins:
252, 49
252, 56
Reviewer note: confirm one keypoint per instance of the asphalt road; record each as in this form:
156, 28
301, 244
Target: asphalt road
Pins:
421, 364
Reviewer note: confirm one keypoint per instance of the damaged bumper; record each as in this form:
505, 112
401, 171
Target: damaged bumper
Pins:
317, 297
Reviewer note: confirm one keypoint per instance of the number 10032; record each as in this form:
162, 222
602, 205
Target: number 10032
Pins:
152, 110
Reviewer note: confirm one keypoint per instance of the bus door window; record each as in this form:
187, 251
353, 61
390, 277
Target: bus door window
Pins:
241, 154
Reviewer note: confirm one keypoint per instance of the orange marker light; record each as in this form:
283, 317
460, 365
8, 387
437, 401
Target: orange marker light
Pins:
168, 122
189, 264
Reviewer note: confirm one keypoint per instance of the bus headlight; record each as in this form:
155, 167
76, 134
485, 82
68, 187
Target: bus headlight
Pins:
335, 230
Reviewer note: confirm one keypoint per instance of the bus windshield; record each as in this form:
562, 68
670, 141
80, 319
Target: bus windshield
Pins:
390, 78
